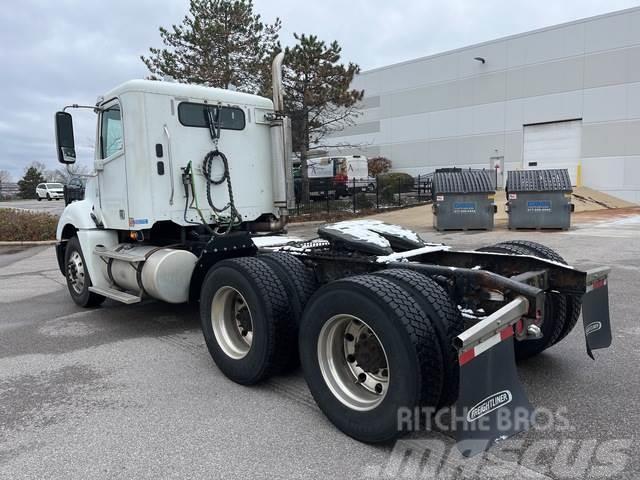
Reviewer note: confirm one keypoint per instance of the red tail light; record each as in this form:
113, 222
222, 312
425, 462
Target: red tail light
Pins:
340, 179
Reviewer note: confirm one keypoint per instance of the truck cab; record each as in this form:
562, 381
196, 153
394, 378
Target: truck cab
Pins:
175, 163
148, 132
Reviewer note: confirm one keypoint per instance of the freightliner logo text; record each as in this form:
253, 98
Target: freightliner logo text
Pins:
489, 404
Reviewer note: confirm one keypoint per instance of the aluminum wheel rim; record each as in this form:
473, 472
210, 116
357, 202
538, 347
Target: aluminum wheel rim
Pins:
229, 316
355, 387
75, 272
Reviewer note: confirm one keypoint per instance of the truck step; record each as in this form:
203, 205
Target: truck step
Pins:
118, 254
118, 295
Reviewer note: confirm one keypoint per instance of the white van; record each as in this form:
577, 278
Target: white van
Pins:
347, 171
356, 169
49, 191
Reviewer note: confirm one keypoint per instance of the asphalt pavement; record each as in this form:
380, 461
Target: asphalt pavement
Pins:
130, 391
54, 207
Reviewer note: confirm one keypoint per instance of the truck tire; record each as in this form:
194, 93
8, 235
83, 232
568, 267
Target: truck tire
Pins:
369, 352
443, 315
555, 318
245, 319
78, 280
48, 197
299, 284
574, 305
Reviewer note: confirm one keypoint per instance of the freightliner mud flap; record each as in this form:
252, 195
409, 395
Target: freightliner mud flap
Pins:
492, 404
595, 310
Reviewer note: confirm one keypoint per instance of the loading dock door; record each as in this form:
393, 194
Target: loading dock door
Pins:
553, 145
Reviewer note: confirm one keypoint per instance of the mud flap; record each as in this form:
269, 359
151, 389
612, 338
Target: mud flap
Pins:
595, 316
492, 404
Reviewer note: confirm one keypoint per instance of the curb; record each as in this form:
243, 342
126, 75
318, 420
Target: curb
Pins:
28, 243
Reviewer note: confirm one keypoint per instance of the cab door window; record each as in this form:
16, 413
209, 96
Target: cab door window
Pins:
111, 140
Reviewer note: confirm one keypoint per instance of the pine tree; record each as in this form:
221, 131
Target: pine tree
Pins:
220, 43
318, 96
27, 186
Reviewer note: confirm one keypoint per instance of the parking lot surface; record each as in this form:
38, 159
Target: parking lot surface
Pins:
54, 207
131, 391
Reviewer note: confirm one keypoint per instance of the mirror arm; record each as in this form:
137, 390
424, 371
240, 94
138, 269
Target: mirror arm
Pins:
75, 105
94, 173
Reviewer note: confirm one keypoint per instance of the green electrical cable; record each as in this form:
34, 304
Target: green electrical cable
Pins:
195, 200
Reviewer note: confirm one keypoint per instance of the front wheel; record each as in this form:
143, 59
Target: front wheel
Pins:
78, 280
368, 351
39, 198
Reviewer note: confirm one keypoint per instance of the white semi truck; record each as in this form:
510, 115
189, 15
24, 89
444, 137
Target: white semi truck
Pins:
189, 203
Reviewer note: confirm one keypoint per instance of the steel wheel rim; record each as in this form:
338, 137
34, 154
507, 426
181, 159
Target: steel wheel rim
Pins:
232, 322
75, 272
356, 387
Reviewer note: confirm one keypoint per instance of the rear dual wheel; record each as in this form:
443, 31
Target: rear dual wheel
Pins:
250, 308
369, 345
562, 311
368, 349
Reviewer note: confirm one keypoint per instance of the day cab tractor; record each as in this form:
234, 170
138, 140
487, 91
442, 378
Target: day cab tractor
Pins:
189, 203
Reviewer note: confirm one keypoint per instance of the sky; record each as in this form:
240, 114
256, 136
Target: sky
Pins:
71, 51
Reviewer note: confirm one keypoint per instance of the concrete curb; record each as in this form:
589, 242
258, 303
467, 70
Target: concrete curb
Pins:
32, 243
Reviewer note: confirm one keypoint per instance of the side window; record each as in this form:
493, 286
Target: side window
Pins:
111, 131
39, 186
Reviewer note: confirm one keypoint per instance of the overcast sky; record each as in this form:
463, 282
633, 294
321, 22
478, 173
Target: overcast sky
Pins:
71, 51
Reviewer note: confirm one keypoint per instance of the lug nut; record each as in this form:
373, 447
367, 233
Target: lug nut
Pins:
385, 372
378, 388
349, 337
351, 358
362, 377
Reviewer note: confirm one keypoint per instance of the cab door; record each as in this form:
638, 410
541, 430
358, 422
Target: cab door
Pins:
110, 165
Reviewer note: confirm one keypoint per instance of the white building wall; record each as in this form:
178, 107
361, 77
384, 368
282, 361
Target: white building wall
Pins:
449, 109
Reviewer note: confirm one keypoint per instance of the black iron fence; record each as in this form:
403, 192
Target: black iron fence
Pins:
341, 195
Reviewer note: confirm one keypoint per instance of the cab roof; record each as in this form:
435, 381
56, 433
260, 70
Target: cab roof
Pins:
192, 92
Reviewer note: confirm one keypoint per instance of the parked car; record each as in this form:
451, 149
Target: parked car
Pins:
74, 190
49, 191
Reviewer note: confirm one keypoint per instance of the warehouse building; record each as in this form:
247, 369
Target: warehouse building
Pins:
566, 96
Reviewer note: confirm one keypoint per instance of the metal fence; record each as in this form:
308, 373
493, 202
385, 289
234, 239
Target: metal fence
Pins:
336, 195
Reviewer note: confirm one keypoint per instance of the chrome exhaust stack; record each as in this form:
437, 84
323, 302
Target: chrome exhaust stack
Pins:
281, 149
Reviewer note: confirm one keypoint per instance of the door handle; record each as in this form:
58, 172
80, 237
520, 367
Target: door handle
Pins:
170, 158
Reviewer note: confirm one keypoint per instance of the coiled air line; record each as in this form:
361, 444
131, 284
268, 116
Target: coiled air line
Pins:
188, 178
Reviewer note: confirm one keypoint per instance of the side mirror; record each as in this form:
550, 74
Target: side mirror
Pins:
64, 138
